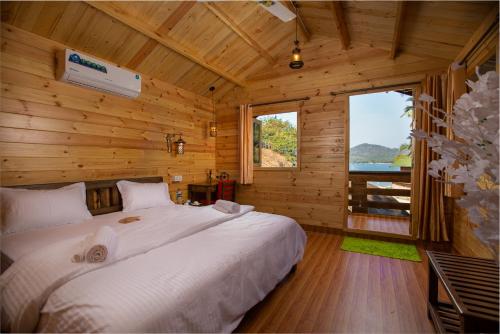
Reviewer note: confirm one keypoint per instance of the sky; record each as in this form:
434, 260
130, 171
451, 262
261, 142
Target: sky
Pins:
288, 116
376, 119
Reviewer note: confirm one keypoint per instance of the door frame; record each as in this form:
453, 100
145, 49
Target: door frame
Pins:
413, 226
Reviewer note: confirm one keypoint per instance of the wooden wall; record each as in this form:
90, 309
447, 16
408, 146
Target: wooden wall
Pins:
54, 132
465, 241
315, 193
312, 194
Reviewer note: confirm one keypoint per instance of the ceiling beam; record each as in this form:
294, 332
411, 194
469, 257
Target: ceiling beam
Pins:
398, 28
340, 24
488, 22
217, 11
306, 35
118, 13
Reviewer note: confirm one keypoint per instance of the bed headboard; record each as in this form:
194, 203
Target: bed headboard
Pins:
102, 196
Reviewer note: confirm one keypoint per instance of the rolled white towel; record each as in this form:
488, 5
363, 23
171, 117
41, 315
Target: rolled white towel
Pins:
79, 256
227, 206
97, 247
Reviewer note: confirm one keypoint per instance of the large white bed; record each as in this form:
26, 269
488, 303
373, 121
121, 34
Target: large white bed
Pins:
179, 269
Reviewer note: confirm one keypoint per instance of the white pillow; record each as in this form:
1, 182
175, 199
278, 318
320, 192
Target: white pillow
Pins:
137, 196
24, 209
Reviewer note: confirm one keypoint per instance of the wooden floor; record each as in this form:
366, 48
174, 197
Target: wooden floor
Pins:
337, 291
377, 223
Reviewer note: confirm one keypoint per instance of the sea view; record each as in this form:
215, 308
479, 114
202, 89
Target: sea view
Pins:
380, 167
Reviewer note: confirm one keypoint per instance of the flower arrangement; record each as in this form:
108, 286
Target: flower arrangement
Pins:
473, 158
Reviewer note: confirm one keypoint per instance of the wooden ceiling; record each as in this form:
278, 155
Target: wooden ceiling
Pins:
195, 45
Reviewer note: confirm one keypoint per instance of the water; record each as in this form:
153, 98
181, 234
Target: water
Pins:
378, 167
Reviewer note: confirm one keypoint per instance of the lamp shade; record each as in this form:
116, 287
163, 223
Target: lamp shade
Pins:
213, 129
180, 143
296, 62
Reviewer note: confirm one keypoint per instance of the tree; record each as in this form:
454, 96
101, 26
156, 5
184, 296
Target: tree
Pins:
281, 137
403, 159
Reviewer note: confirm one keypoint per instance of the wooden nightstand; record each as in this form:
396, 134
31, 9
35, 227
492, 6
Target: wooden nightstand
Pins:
203, 192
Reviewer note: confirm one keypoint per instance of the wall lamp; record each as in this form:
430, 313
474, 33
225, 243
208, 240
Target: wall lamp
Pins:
179, 143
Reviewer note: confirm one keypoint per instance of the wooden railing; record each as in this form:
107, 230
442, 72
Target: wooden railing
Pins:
365, 196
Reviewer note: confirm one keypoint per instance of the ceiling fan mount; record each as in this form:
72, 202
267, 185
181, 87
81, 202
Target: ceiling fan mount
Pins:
278, 9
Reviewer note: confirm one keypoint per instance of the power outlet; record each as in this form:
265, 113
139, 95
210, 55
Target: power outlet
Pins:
177, 178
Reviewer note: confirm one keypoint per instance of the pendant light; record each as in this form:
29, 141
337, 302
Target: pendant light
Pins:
296, 62
213, 124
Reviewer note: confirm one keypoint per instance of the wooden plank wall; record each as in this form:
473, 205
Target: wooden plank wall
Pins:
465, 241
55, 132
312, 194
315, 194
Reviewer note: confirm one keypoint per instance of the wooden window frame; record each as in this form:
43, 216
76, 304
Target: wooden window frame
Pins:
299, 123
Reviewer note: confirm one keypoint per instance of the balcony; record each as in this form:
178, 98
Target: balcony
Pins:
380, 201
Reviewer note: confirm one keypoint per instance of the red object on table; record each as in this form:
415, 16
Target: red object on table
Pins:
226, 190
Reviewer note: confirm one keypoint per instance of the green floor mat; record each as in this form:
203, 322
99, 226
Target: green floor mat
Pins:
381, 248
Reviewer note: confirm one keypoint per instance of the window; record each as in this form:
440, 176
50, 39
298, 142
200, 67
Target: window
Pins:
275, 140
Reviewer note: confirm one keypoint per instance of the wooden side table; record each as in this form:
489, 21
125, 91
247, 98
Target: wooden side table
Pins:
202, 191
472, 287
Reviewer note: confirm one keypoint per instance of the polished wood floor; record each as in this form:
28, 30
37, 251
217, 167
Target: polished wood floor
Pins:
337, 291
377, 223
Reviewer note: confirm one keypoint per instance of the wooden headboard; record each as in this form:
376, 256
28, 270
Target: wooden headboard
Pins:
102, 196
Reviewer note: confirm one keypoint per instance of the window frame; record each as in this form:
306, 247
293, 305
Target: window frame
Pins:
299, 123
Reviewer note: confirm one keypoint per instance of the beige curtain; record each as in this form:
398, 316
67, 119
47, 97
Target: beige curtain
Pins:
456, 88
428, 208
246, 144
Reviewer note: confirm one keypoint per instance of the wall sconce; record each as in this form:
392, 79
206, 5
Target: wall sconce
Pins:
213, 123
179, 143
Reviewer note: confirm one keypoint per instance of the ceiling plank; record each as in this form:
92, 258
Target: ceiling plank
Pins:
217, 11
142, 53
398, 28
176, 16
303, 28
340, 24
121, 15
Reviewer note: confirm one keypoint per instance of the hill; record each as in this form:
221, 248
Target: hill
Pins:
274, 159
372, 153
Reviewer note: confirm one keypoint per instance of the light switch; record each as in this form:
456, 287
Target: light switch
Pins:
177, 178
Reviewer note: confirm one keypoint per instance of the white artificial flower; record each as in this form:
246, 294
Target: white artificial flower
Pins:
474, 157
426, 98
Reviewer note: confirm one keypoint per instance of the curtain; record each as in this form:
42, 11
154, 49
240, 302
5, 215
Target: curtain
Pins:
456, 88
246, 144
429, 194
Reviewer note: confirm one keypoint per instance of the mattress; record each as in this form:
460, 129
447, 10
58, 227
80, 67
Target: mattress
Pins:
193, 269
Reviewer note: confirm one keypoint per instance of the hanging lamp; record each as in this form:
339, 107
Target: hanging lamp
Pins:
296, 62
213, 124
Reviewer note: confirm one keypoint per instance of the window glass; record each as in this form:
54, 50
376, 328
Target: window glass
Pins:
275, 140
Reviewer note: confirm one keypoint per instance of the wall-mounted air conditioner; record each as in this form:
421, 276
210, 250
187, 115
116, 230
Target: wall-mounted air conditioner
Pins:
80, 69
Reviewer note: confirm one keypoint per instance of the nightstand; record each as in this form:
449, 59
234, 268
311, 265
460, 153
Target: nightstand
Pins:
203, 192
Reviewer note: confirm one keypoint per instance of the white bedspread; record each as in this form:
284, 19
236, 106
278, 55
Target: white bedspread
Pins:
202, 283
195, 269
30, 280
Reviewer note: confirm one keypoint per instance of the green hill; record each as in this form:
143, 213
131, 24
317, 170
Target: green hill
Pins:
372, 153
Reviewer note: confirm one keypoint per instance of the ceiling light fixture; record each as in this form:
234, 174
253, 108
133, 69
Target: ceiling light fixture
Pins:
296, 62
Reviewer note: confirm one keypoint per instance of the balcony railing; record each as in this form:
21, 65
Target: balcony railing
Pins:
380, 192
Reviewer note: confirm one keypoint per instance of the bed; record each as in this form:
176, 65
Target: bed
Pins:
181, 269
